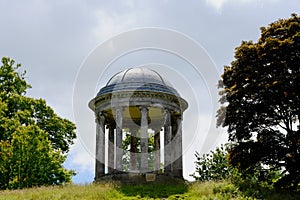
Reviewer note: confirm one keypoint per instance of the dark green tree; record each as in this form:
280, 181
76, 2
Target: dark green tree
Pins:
34, 141
261, 102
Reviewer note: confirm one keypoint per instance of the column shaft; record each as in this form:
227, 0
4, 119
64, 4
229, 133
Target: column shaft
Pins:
119, 149
111, 149
167, 144
177, 165
157, 150
133, 149
100, 147
144, 139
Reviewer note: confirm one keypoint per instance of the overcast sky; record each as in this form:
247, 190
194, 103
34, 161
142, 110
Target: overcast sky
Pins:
55, 40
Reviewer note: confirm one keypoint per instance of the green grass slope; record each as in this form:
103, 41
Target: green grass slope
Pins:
196, 190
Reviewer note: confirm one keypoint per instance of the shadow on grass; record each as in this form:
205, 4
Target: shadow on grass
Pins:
154, 190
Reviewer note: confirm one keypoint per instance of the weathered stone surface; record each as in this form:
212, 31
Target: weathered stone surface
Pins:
150, 177
156, 150
139, 178
100, 147
167, 142
144, 139
111, 149
119, 136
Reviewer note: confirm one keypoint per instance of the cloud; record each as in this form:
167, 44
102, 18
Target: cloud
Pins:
218, 4
81, 158
111, 23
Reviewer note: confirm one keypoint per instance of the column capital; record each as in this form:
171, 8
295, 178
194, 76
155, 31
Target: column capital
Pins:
133, 129
144, 107
166, 110
100, 117
178, 117
156, 129
119, 109
111, 125
119, 117
167, 117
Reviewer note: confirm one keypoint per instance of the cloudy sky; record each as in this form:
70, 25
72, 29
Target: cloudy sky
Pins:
56, 41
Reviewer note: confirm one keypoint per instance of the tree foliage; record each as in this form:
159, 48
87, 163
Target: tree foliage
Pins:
33, 139
261, 106
213, 165
28, 111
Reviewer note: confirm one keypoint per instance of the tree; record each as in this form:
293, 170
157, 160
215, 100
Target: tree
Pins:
30, 111
34, 141
261, 102
32, 161
213, 165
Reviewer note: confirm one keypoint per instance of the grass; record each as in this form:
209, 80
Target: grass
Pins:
153, 190
197, 190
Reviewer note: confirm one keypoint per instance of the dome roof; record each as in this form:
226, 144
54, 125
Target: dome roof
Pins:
138, 79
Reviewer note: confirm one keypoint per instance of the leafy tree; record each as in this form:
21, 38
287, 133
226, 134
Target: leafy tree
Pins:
28, 110
33, 139
261, 103
32, 161
213, 165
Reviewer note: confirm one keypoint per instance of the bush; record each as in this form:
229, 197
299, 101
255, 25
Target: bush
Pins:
212, 166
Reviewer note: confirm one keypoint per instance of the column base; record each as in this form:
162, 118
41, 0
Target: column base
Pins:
140, 178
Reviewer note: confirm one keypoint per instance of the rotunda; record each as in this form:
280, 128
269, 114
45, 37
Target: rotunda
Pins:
140, 104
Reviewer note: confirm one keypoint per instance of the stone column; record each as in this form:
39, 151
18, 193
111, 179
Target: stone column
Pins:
133, 149
177, 165
156, 150
111, 149
119, 134
144, 139
100, 146
167, 144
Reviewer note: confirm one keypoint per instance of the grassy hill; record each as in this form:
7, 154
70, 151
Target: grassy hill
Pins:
196, 190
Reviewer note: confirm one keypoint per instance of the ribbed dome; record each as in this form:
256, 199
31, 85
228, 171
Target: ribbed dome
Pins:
138, 79
140, 75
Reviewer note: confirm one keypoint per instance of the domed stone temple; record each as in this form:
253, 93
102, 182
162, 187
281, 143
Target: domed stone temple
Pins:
138, 107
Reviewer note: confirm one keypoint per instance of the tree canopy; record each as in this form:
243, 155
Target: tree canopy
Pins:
260, 102
34, 141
